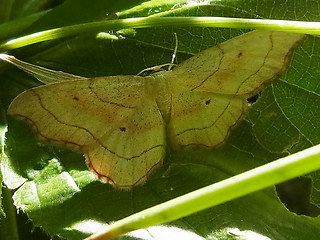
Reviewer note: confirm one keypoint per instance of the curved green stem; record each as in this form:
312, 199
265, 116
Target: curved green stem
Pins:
254, 180
14, 27
147, 22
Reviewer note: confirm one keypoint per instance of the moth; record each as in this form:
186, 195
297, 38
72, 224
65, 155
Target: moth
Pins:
123, 124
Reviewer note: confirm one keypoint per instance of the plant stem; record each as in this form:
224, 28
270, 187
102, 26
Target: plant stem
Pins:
147, 22
14, 27
254, 180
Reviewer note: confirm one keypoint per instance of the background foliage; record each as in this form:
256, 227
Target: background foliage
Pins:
53, 186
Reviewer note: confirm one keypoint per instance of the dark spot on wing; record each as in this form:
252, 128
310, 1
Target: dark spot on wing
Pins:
75, 98
123, 129
208, 102
253, 99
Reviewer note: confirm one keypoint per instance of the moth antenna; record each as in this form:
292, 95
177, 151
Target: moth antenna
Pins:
174, 55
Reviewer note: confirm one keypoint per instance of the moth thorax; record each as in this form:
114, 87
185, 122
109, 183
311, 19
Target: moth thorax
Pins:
160, 91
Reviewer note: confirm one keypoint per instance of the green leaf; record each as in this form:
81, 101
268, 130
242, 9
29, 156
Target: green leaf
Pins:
2, 131
58, 193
